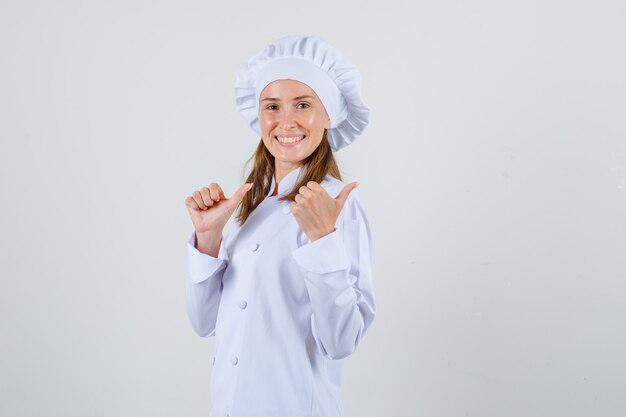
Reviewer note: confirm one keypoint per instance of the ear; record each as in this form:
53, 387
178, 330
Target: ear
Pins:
327, 119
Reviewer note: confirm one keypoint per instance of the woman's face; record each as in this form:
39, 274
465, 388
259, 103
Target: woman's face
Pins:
292, 120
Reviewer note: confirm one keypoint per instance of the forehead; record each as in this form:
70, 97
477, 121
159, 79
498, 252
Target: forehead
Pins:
286, 89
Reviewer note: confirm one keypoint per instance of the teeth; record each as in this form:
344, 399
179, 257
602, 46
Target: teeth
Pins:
289, 140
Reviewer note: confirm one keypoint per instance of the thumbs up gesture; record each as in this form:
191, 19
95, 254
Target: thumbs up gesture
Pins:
316, 211
209, 208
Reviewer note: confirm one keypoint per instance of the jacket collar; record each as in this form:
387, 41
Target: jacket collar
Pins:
288, 182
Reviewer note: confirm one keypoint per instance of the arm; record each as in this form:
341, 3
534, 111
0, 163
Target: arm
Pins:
203, 286
337, 274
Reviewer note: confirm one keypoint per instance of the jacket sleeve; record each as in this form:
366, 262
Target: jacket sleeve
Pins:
338, 276
203, 286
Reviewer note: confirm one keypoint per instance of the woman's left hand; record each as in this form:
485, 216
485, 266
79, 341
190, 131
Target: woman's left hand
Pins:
316, 211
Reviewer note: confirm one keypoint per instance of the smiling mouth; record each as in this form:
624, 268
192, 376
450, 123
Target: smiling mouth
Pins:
293, 139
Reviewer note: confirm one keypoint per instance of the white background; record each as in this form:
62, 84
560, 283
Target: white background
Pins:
493, 169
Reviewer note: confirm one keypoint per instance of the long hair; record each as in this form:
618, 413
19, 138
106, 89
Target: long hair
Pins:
320, 163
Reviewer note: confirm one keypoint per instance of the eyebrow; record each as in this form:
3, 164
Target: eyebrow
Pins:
277, 99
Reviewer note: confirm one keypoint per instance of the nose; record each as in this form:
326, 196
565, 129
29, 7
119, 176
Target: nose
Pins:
288, 119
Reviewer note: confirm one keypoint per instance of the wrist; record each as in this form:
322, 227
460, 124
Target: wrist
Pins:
321, 235
209, 242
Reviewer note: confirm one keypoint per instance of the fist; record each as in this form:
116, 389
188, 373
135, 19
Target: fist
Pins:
316, 211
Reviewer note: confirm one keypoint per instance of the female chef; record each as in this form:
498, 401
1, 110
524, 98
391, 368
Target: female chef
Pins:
288, 292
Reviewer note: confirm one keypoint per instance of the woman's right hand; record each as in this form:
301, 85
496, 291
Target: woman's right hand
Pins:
210, 210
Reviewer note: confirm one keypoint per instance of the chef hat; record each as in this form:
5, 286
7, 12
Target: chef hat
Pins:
319, 65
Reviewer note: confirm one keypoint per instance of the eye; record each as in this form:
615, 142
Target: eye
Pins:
271, 105
306, 104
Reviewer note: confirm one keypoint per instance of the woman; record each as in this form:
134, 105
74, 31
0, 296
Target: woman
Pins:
288, 291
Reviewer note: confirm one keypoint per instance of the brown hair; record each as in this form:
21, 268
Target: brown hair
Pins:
320, 163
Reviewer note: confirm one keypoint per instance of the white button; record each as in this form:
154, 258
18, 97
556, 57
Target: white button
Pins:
254, 247
243, 304
235, 360
286, 209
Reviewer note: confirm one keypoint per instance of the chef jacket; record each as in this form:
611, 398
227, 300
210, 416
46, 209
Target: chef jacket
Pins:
285, 311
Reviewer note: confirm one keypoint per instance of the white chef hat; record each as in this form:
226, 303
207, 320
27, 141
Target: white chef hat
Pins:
319, 65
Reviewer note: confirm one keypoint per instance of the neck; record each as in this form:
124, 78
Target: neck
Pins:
281, 169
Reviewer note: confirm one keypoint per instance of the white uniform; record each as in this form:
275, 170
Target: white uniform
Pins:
284, 310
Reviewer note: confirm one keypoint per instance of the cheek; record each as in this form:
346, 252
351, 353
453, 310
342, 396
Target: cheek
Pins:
316, 120
266, 127
265, 119
312, 120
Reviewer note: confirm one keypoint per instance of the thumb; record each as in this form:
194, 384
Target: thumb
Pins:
241, 191
343, 195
